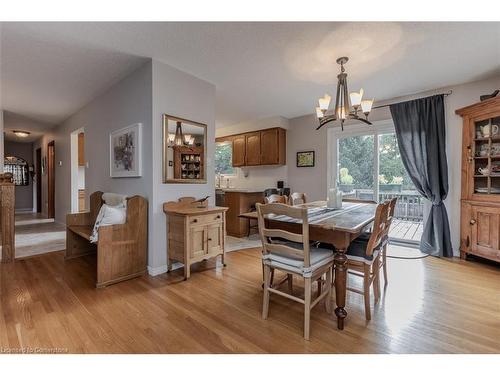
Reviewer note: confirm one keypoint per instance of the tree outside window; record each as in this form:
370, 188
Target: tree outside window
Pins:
223, 158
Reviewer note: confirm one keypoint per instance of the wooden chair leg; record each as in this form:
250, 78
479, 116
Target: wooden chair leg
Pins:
328, 300
384, 259
290, 283
307, 306
265, 302
376, 279
366, 291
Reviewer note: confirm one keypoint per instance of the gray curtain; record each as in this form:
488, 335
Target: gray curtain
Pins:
420, 130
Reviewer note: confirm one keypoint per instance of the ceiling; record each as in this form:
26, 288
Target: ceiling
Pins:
13, 121
50, 70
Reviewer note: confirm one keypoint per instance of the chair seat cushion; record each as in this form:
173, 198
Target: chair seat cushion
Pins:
289, 262
357, 252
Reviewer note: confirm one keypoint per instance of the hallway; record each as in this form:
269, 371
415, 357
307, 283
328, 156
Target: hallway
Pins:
36, 235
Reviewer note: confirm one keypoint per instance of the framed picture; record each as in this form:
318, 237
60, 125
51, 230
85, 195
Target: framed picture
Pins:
125, 159
305, 159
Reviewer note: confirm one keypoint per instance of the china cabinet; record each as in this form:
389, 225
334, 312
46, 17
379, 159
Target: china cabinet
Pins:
480, 198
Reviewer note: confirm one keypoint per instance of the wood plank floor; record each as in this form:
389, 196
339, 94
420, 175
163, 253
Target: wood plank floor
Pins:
430, 306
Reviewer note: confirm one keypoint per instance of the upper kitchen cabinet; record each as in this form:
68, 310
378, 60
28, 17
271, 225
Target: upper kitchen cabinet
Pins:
273, 146
239, 147
263, 147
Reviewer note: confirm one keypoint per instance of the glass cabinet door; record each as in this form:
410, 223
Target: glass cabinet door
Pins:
485, 156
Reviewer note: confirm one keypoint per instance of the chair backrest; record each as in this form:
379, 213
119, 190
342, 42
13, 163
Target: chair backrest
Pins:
297, 198
270, 191
266, 234
379, 227
390, 214
275, 198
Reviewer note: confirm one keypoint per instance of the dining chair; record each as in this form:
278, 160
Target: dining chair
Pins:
297, 198
275, 198
290, 253
363, 257
385, 238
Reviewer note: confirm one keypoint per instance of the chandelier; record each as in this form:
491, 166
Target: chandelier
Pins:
342, 103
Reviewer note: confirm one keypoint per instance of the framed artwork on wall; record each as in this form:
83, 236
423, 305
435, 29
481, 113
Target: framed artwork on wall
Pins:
125, 154
305, 159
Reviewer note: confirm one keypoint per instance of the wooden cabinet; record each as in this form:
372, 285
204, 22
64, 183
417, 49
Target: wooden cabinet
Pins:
239, 147
239, 203
263, 147
189, 163
194, 233
81, 149
480, 203
252, 144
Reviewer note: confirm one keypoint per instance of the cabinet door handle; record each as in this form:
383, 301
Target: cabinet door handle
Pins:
210, 239
195, 221
472, 221
218, 216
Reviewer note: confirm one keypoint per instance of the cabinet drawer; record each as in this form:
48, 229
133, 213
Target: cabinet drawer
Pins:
206, 219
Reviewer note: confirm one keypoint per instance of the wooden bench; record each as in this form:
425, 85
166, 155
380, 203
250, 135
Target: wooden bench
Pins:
122, 249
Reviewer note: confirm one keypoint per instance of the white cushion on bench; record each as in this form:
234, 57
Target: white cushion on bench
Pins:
108, 215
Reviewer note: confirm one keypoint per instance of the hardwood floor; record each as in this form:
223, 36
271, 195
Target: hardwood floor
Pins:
430, 306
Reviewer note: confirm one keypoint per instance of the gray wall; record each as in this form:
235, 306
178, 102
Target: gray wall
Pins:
302, 135
24, 194
178, 94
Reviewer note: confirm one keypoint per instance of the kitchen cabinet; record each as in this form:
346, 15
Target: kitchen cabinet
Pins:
252, 144
240, 202
263, 147
239, 147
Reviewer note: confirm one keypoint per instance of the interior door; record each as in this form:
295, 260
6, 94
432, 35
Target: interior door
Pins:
252, 148
269, 146
38, 174
485, 229
238, 151
51, 179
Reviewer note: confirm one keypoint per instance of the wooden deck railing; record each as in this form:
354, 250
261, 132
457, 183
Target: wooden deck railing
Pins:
409, 206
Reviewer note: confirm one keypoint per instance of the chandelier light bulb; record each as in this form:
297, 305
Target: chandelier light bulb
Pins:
319, 112
324, 102
366, 106
356, 98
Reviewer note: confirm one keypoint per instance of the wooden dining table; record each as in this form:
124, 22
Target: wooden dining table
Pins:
338, 227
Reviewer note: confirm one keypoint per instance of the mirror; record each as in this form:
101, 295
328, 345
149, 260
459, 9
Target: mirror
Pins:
184, 151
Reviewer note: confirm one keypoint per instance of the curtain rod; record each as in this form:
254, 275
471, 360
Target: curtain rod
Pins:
388, 105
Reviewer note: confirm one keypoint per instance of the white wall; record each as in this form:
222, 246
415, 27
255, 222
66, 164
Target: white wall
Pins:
302, 135
260, 177
178, 94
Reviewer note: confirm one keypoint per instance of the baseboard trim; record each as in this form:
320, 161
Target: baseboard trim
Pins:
155, 271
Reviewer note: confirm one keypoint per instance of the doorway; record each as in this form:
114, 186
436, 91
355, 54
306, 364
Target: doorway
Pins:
38, 174
51, 179
366, 164
78, 165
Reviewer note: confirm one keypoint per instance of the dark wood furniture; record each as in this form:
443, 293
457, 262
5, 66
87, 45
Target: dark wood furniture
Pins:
122, 250
189, 163
275, 198
7, 220
480, 200
263, 147
240, 202
195, 232
336, 227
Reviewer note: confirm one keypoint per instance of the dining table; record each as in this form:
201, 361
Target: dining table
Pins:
335, 226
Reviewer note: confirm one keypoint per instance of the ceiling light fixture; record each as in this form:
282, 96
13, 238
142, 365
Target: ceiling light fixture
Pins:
21, 133
342, 103
179, 138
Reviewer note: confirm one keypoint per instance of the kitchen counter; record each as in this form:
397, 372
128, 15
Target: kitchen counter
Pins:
239, 190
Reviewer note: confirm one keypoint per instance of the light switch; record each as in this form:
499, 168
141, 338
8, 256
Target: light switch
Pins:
60, 163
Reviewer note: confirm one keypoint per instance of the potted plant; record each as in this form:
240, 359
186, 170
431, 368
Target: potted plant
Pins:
346, 181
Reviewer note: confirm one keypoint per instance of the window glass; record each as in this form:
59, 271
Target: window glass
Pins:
223, 158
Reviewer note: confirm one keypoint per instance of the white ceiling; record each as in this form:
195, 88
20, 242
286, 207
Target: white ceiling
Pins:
260, 69
13, 121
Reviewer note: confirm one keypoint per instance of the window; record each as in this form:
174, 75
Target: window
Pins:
19, 169
223, 158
